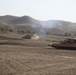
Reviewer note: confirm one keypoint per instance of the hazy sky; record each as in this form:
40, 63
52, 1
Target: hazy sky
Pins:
40, 9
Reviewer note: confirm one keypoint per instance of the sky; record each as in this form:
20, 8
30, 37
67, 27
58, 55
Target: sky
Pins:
40, 9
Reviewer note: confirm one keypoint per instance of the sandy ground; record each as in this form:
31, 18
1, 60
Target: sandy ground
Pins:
35, 57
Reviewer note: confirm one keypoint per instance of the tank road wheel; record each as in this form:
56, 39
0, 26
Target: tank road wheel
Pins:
63, 47
71, 48
56, 47
74, 48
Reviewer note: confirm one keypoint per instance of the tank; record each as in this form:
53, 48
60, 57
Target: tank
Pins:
68, 43
28, 36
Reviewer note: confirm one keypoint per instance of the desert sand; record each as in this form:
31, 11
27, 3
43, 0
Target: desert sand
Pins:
35, 57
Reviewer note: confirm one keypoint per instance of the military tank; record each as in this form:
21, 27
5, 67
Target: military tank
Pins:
68, 43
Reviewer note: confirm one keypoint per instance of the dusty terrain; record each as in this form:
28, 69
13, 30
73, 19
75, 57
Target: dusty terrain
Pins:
35, 57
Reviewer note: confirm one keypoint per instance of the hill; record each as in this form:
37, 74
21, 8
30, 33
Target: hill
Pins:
60, 27
27, 23
19, 23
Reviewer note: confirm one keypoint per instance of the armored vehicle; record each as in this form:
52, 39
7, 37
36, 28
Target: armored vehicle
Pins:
68, 43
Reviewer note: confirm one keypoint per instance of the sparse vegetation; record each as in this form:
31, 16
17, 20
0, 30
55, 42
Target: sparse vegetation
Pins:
67, 34
10, 30
21, 31
29, 31
5, 29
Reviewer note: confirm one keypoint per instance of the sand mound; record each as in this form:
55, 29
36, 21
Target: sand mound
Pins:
35, 37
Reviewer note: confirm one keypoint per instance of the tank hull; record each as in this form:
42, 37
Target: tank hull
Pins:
64, 46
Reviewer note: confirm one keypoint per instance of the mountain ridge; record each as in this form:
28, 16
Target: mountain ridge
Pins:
27, 22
